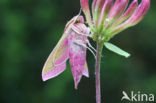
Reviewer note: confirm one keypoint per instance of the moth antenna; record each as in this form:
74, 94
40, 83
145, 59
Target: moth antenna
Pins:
80, 11
76, 17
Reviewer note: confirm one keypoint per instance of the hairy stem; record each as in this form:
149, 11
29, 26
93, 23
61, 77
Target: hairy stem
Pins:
97, 73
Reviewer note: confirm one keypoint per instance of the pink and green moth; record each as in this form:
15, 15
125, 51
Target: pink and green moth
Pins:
72, 46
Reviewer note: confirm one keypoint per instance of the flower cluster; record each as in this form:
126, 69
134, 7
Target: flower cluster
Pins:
106, 20
109, 17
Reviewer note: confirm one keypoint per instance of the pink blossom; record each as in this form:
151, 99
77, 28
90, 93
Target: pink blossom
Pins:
109, 19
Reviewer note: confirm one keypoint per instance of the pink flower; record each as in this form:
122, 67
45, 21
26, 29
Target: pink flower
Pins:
109, 19
71, 46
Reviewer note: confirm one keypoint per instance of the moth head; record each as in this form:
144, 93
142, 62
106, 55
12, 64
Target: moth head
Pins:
80, 19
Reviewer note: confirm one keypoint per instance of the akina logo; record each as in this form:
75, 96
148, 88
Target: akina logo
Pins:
138, 96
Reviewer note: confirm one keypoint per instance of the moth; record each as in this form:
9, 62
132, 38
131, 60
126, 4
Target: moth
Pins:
72, 46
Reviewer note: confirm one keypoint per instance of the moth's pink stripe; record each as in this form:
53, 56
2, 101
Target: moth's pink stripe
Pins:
54, 72
77, 74
63, 58
85, 72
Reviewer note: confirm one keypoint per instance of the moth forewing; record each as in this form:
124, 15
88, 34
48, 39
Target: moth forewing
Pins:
58, 55
56, 62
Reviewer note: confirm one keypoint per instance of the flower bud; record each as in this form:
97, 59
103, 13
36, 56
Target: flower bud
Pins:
139, 12
85, 8
128, 12
97, 6
110, 19
105, 10
136, 17
117, 10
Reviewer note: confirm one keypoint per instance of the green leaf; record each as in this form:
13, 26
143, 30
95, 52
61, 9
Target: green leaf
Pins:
116, 49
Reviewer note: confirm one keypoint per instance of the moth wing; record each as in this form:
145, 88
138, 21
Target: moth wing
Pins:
77, 54
85, 71
56, 62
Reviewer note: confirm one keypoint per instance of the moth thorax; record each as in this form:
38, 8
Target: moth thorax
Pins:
82, 28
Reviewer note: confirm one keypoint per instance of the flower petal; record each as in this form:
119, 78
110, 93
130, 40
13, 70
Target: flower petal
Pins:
140, 12
85, 8
137, 16
128, 12
93, 6
118, 9
98, 6
96, 9
105, 10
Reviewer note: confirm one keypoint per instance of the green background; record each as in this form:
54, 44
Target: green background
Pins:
30, 29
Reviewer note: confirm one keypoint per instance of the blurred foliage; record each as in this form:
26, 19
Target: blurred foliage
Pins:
29, 30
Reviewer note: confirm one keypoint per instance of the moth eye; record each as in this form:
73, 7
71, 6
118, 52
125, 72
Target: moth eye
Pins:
77, 21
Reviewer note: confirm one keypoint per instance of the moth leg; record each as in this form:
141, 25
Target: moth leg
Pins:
81, 44
91, 46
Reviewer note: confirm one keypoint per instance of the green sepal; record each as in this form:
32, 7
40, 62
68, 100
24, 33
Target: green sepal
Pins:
116, 49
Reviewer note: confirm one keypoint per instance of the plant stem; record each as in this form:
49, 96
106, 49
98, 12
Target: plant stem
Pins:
97, 72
